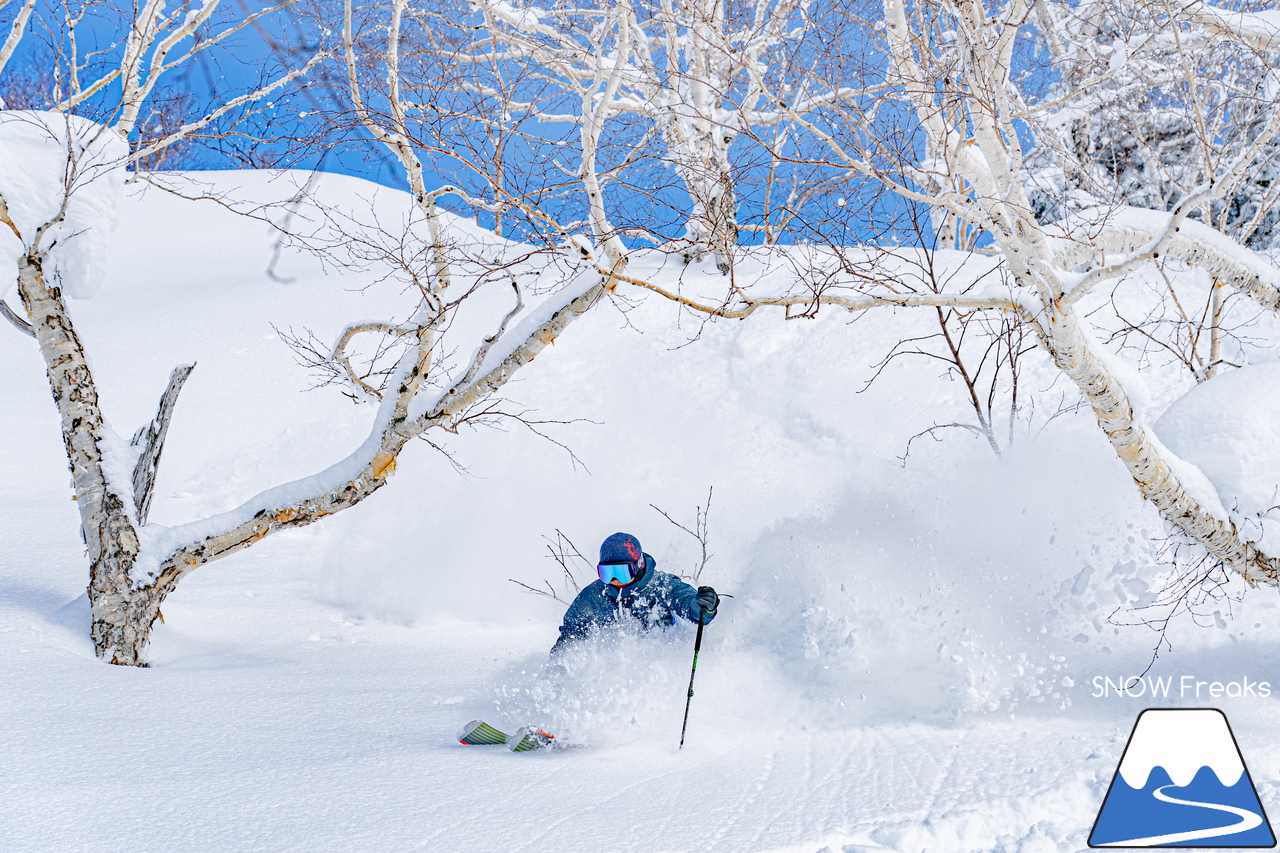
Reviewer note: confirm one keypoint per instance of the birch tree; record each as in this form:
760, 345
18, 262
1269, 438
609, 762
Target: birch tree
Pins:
1152, 112
60, 187
691, 71
134, 565
982, 100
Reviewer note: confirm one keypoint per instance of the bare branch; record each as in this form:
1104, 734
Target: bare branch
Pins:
699, 532
151, 439
258, 94
549, 592
18, 322
339, 357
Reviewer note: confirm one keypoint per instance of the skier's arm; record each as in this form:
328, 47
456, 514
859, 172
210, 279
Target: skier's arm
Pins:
577, 621
684, 602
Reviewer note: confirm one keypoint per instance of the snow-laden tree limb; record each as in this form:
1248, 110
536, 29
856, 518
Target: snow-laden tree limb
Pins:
743, 306
61, 180
77, 164
16, 31
1258, 30
135, 565
952, 64
1128, 232
182, 549
999, 183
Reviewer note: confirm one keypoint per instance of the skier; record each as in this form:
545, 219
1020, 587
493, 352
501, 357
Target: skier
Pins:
628, 580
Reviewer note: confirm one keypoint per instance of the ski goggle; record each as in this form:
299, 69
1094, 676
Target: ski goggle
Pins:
624, 573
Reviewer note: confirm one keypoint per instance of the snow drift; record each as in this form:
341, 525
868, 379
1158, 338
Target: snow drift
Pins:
51, 160
1229, 428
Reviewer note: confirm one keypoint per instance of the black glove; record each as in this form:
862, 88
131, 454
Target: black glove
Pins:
707, 599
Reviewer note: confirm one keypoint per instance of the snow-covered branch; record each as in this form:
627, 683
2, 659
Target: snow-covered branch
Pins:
953, 66
61, 183
181, 549
16, 31
1259, 30
745, 306
1133, 233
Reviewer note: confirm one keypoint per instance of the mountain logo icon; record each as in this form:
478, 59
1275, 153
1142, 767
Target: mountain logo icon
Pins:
1182, 783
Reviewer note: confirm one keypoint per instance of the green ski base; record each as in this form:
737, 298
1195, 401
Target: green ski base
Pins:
480, 733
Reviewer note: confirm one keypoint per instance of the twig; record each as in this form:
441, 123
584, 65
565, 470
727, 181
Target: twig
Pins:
699, 532
549, 592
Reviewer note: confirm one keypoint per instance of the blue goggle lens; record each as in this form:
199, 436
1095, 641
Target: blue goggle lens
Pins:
624, 573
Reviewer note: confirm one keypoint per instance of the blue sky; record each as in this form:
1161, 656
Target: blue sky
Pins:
655, 200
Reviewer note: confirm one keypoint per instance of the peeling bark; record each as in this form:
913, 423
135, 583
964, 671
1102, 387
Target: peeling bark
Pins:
109, 535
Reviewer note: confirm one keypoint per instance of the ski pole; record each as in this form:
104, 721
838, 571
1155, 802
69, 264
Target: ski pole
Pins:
697, 646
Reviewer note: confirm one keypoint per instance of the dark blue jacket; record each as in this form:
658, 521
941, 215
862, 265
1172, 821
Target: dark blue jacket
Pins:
655, 598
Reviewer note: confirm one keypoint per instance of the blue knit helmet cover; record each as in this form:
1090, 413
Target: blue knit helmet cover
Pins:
621, 548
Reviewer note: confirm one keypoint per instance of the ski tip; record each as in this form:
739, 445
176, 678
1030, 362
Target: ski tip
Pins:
480, 733
466, 730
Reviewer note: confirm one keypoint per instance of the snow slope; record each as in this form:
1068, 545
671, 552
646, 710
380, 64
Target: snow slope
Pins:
907, 663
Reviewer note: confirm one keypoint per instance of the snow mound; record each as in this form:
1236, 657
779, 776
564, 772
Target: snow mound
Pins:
1229, 428
46, 158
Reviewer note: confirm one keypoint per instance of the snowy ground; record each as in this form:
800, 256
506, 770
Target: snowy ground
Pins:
907, 664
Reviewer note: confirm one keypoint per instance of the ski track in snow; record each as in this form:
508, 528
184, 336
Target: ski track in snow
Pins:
356, 763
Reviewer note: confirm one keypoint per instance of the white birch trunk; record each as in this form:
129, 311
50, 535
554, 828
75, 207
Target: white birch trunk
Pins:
1028, 252
122, 617
974, 142
124, 607
122, 610
700, 151
1142, 457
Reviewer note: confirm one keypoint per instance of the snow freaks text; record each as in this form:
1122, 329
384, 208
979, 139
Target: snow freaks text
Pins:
1184, 687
